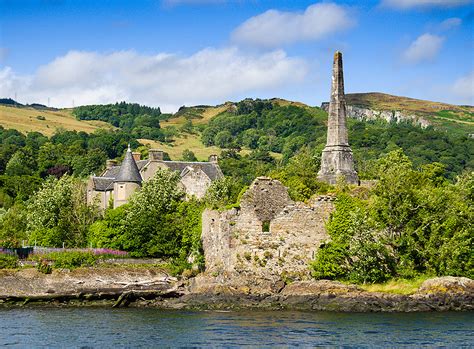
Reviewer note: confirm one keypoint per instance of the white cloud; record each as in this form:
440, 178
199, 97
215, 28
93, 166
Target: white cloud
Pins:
424, 48
407, 4
450, 23
273, 28
165, 80
463, 88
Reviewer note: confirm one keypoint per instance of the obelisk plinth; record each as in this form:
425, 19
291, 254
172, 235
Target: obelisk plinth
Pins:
337, 159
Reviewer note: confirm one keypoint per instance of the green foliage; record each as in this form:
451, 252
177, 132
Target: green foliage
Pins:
147, 230
43, 267
69, 259
223, 192
266, 126
58, 213
299, 175
107, 231
141, 121
13, 226
188, 155
330, 262
8, 261
415, 222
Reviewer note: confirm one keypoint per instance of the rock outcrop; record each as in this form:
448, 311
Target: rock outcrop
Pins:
362, 114
152, 287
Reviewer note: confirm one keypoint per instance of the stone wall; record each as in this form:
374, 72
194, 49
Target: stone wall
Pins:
269, 238
195, 182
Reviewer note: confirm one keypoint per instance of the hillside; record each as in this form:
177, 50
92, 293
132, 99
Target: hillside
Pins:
45, 121
440, 115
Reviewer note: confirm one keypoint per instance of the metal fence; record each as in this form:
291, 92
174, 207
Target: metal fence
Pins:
24, 252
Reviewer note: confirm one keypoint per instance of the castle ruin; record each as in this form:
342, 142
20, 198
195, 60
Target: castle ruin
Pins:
269, 237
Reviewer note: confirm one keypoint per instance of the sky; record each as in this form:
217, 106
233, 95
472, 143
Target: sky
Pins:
170, 53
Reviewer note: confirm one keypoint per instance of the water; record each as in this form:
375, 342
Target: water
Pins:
152, 328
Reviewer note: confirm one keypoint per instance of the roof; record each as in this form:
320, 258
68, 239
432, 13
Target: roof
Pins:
103, 183
128, 171
211, 169
115, 174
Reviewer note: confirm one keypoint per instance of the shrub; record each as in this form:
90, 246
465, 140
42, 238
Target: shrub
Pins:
44, 267
69, 260
8, 261
330, 262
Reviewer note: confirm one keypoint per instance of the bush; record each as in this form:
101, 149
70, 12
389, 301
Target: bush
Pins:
68, 260
330, 262
44, 267
8, 261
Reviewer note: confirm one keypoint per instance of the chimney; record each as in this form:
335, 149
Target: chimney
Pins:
213, 158
136, 156
110, 163
155, 155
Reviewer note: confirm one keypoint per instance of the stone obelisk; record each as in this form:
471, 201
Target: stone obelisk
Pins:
337, 159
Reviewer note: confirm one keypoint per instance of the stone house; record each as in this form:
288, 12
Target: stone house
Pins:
269, 237
118, 182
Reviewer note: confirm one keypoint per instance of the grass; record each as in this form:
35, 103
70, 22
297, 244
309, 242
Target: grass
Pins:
199, 115
187, 141
45, 121
397, 286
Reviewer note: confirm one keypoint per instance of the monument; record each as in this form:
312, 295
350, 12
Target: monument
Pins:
337, 159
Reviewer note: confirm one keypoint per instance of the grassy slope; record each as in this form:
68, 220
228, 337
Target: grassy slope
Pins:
441, 115
450, 117
25, 120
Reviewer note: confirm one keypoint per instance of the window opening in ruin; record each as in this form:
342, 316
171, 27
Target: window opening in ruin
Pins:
266, 226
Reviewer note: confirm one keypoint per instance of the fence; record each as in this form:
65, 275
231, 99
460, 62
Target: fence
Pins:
24, 252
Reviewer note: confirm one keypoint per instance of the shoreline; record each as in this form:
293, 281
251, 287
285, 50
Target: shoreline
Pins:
119, 287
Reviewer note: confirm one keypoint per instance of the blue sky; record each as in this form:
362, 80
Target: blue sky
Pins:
170, 53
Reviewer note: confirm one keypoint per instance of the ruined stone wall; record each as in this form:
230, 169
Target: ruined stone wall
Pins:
236, 244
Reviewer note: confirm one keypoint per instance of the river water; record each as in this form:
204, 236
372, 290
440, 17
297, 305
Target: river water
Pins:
153, 328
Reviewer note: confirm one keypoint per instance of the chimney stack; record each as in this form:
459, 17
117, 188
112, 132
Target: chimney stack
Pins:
137, 156
155, 155
213, 158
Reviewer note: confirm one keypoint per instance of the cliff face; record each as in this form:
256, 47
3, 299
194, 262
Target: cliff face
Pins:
360, 113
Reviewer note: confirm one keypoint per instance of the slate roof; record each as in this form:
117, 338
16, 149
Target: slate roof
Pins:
103, 183
106, 180
212, 170
129, 171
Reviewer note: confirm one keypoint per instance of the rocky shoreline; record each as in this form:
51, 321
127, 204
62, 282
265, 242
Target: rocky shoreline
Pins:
153, 287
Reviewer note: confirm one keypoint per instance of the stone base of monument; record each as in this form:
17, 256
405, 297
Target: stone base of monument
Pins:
338, 161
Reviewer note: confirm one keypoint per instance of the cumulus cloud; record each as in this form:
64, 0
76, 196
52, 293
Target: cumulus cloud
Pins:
407, 4
165, 80
450, 23
273, 28
424, 48
463, 88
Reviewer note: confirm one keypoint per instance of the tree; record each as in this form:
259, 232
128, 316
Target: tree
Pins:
188, 155
149, 229
58, 213
223, 139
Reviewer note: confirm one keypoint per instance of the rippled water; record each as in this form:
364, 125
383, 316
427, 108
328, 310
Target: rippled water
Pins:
147, 328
